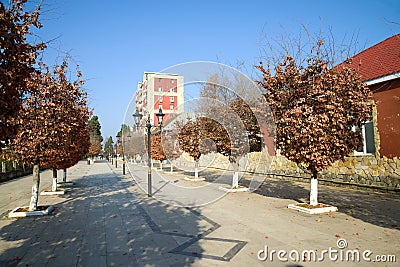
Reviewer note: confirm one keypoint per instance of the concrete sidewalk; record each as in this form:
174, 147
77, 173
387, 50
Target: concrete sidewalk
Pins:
107, 220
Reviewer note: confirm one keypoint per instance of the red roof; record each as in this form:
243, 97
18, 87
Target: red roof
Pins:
379, 60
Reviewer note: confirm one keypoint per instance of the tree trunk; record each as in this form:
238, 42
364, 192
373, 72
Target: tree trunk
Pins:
172, 167
65, 175
196, 170
161, 165
235, 179
35, 188
54, 185
314, 190
3, 166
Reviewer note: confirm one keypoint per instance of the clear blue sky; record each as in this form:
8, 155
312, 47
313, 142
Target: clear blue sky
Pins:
114, 42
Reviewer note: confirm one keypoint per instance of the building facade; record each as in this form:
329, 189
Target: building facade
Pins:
160, 90
379, 67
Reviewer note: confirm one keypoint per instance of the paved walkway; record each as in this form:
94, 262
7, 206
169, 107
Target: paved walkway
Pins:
106, 219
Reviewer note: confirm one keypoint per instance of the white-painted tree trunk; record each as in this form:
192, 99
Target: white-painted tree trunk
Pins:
54, 184
235, 179
65, 175
196, 170
161, 165
314, 192
3, 167
172, 167
152, 165
35, 188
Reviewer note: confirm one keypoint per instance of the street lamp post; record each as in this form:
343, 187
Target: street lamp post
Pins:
112, 152
116, 155
138, 117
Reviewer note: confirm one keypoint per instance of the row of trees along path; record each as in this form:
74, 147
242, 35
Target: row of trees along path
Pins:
44, 114
314, 110
228, 124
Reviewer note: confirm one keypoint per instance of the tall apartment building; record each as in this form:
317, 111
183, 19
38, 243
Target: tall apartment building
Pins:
160, 90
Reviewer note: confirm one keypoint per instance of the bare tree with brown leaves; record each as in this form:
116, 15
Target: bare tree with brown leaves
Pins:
17, 60
95, 148
135, 146
235, 130
70, 99
157, 149
189, 138
171, 147
315, 109
52, 112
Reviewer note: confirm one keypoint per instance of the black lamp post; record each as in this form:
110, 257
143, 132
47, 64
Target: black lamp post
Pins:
112, 152
138, 117
116, 154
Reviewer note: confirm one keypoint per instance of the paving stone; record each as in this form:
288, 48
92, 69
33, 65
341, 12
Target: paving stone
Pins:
107, 220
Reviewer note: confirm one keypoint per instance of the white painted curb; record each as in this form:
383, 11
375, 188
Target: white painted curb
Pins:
16, 214
313, 211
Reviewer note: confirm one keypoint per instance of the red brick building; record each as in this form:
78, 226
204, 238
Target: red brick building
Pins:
160, 90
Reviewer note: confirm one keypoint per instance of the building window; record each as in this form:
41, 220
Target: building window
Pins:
171, 106
172, 81
171, 89
159, 80
171, 98
368, 145
160, 89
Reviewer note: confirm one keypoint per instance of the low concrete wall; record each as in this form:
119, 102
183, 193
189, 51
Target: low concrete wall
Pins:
357, 171
6, 176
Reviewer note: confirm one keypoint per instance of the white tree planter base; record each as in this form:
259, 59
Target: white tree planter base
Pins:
52, 193
325, 209
234, 190
17, 214
194, 179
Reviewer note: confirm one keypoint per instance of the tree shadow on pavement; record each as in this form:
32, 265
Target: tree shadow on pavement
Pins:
105, 221
279, 189
381, 209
